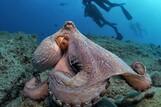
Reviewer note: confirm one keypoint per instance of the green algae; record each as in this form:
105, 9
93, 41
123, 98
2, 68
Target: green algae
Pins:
15, 63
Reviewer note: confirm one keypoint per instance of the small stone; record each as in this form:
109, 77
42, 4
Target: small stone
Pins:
133, 98
156, 78
105, 102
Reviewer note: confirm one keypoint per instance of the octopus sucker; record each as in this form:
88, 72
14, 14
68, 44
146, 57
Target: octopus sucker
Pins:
81, 69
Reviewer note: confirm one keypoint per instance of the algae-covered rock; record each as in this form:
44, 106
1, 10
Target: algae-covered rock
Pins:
155, 101
15, 63
133, 98
31, 103
118, 86
156, 78
106, 102
15, 102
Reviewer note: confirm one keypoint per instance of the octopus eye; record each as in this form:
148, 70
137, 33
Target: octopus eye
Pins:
62, 42
75, 64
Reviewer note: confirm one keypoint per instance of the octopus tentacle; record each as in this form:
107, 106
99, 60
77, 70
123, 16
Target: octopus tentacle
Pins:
81, 68
34, 90
47, 54
138, 82
98, 65
142, 80
138, 68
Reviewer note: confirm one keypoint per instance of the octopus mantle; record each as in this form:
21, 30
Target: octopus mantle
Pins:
80, 69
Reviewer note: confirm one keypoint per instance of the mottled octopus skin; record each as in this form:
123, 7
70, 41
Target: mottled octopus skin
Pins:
97, 66
34, 90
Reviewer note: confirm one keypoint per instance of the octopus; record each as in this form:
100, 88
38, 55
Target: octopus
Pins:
80, 69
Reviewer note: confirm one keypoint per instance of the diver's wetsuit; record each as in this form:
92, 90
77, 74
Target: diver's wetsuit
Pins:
92, 11
102, 4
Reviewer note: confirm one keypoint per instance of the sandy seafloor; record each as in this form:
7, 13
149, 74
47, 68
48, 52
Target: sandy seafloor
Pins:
16, 68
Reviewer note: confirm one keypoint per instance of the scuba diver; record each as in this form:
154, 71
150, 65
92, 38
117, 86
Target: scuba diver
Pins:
103, 4
137, 28
92, 11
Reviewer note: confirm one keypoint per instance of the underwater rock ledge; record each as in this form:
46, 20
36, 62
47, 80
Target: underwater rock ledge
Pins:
16, 51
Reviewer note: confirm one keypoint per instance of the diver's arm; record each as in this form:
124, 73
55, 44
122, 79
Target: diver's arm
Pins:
113, 4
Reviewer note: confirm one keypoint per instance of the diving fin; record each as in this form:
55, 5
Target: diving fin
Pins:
119, 36
126, 13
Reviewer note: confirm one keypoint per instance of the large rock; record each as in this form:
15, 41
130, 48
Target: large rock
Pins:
156, 78
152, 102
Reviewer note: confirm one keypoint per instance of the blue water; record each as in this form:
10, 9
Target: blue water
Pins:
44, 17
